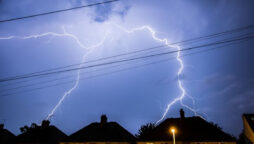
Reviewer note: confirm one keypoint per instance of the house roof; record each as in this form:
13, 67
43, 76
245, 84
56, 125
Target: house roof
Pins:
188, 129
104, 131
42, 134
250, 119
6, 136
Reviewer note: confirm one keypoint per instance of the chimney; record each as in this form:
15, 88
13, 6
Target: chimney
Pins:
1, 126
103, 119
45, 123
181, 114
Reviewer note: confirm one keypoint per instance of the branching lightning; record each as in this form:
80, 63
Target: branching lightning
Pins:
68, 92
89, 49
64, 34
179, 72
93, 47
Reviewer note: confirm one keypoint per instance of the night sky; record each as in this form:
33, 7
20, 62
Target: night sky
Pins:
220, 81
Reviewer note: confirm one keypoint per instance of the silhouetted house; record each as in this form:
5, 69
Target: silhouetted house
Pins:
6, 137
193, 130
248, 124
40, 134
103, 132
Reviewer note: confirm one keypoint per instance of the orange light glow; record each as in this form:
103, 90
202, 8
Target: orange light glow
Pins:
172, 130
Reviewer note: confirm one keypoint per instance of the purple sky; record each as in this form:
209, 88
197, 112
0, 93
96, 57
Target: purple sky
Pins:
221, 82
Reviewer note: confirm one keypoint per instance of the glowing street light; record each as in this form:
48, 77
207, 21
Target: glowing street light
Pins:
173, 130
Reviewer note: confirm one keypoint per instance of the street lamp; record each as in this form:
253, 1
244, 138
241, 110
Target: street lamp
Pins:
173, 130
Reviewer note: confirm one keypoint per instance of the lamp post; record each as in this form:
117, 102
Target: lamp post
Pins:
173, 132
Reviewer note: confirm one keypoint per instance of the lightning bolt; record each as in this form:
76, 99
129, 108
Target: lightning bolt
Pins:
179, 72
68, 92
90, 49
64, 34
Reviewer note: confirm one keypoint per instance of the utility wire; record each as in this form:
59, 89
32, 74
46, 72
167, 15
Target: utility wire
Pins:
125, 60
65, 77
155, 47
82, 73
35, 78
151, 48
119, 61
57, 11
130, 68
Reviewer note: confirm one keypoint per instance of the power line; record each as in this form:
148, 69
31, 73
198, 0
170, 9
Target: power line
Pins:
134, 67
155, 47
119, 61
124, 60
57, 11
70, 76
32, 79
147, 49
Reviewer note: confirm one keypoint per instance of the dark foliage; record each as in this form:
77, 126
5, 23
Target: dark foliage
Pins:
145, 131
40, 134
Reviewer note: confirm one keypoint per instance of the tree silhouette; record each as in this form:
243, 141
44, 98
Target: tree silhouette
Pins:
1, 126
145, 131
24, 129
34, 126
